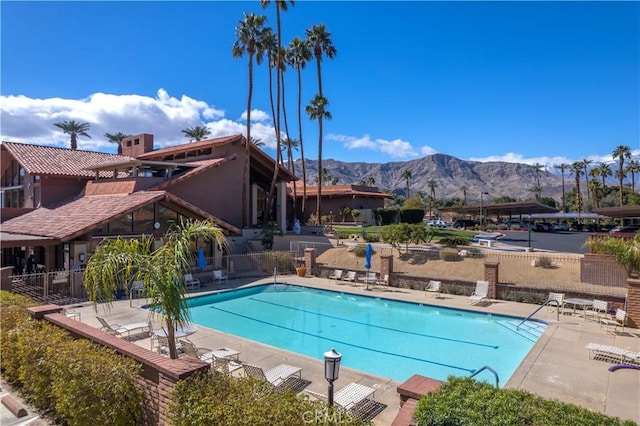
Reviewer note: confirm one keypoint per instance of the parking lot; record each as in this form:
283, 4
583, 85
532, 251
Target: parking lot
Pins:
566, 241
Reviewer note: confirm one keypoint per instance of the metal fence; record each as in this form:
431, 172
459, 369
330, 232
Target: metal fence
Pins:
59, 287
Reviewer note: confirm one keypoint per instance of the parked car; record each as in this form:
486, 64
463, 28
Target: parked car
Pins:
542, 227
437, 223
559, 227
627, 229
464, 223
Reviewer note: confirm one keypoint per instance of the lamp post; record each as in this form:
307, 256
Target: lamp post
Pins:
331, 370
482, 194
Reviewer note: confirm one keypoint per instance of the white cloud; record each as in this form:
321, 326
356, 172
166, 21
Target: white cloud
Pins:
549, 162
256, 116
396, 148
427, 150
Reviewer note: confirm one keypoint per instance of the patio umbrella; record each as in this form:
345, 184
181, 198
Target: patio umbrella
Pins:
201, 262
367, 260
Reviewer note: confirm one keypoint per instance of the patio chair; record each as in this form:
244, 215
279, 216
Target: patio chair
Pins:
219, 276
612, 354
598, 309
190, 349
383, 281
350, 276
618, 321
559, 297
480, 293
349, 396
434, 288
277, 376
191, 282
136, 290
121, 330
336, 275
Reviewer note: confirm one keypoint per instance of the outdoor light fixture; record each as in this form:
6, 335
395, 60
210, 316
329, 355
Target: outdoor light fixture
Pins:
331, 370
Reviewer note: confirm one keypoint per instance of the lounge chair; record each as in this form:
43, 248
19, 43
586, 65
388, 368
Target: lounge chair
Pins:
384, 281
190, 349
559, 297
277, 376
369, 278
126, 329
218, 277
336, 275
349, 396
350, 276
191, 282
434, 288
598, 309
480, 293
612, 354
618, 321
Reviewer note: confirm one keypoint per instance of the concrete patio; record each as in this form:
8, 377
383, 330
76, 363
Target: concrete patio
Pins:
558, 366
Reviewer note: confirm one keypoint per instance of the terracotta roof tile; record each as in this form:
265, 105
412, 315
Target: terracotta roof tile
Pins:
48, 160
189, 146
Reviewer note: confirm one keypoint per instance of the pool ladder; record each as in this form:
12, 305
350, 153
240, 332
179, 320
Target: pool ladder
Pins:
540, 307
486, 367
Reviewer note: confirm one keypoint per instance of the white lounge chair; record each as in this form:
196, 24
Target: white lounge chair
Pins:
480, 293
191, 282
434, 288
336, 275
350, 276
126, 329
218, 277
276, 376
618, 321
384, 281
612, 354
349, 396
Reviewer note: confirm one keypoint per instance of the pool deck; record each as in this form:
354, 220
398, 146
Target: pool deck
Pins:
558, 366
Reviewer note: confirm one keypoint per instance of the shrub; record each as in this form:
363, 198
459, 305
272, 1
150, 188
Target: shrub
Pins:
475, 252
215, 399
450, 255
454, 241
360, 250
464, 401
545, 262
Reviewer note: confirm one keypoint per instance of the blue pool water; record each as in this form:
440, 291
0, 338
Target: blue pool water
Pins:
382, 337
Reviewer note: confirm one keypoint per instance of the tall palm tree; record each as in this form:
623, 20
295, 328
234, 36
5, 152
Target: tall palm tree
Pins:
196, 133
406, 175
74, 129
632, 168
593, 185
290, 145
248, 38
622, 153
298, 55
576, 170
371, 181
118, 261
537, 188
563, 167
116, 138
317, 110
603, 170
321, 45
585, 164
464, 189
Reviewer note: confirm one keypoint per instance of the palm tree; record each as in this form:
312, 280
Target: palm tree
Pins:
576, 170
298, 55
406, 175
537, 188
116, 138
603, 170
257, 142
464, 189
632, 168
119, 260
593, 185
74, 129
321, 45
196, 133
317, 110
622, 153
563, 167
290, 145
248, 38
371, 181
586, 163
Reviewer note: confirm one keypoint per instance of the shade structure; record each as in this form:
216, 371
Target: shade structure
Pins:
367, 256
201, 262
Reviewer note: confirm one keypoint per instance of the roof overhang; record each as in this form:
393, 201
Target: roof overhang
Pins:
9, 239
619, 212
503, 209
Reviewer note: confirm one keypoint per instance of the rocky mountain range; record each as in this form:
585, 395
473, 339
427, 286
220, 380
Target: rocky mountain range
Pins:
450, 173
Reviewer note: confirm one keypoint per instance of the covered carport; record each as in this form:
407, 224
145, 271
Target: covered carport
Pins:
502, 210
622, 213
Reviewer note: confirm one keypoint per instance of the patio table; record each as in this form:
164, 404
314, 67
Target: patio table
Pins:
583, 303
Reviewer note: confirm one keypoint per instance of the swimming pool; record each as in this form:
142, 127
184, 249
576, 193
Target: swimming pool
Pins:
383, 337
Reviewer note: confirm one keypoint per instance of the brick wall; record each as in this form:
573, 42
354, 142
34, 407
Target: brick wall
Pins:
633, 302
159, 373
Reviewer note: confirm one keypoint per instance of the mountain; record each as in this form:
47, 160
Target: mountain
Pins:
450, 174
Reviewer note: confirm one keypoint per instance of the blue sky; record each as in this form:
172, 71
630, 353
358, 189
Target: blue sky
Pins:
526, 82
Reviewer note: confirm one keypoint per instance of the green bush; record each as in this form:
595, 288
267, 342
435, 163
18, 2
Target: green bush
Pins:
215, 399
464, 401
454, 241
450, 255
360, 250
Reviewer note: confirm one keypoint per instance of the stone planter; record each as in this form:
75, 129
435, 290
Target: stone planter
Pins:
301, 271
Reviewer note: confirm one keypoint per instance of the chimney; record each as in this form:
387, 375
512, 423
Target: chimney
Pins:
133, 146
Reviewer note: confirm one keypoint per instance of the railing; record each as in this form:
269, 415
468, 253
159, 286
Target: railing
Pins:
60, 287
486, 367
546, 302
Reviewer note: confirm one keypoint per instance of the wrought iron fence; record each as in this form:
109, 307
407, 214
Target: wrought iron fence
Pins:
59, 287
